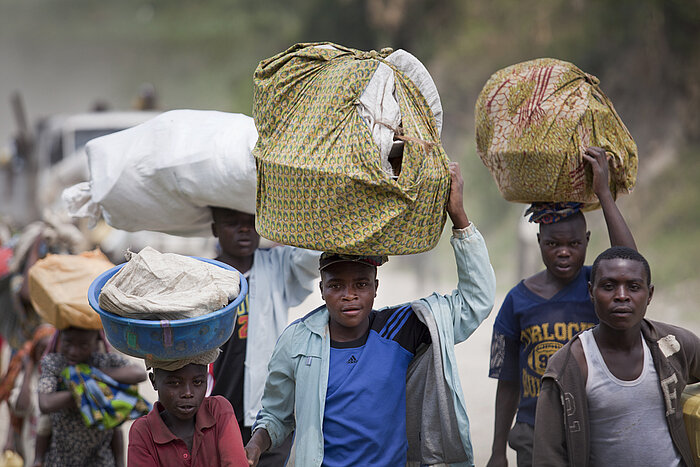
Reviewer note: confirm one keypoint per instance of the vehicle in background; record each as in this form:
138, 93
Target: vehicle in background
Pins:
51, 157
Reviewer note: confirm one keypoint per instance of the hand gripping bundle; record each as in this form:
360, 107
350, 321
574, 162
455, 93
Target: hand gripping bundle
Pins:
534, 121
327, 117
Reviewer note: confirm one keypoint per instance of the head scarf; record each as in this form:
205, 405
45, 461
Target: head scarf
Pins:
204, 358
551, 213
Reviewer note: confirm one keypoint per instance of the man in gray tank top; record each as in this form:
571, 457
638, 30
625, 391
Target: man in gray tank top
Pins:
612, 395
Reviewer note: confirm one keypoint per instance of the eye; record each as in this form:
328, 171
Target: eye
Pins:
362, 285
198, 382
608, 286
634, 287
576, 243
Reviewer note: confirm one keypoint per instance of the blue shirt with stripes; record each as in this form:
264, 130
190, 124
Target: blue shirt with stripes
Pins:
364, 421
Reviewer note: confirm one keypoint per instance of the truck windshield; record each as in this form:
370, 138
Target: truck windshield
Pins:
83, 136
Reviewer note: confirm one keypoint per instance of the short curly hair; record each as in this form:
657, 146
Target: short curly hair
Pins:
621, 252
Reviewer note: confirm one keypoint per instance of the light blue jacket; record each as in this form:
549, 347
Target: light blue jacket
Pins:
436, 422
281, 277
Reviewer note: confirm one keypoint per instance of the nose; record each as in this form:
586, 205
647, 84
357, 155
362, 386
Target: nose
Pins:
621, 294
188, 391
563, 252
349, 294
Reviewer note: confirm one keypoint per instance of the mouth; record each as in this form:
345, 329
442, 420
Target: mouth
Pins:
621, 311
186, 409
351, 311
563, 267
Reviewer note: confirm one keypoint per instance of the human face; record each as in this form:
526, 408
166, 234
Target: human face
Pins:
236, 232
563, 248
77, 344
181, 391
620, 293
348, 288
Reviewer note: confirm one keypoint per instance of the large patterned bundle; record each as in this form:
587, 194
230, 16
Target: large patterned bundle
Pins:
320, 180
534, 121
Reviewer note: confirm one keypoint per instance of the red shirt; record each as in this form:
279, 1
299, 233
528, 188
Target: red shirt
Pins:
216, 442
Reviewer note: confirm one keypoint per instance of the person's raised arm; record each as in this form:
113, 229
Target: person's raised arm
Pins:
474, 296
618, 231
128, 374
455, 204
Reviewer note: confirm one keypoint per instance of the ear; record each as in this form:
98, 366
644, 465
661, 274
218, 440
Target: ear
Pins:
538, 237
588, 236
320, 286
213, 230
590, 291
376, 286
152, 377
651, 293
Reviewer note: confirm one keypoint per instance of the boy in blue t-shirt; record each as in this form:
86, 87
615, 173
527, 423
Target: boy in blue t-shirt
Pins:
340, 376
543, 312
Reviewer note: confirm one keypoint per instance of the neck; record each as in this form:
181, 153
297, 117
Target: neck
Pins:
180, 428
343, 334
240, 263
617, 339
557, 282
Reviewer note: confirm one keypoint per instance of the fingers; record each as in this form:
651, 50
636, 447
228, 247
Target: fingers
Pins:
597, 154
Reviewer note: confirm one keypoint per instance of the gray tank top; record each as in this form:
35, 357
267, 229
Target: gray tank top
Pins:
627, 418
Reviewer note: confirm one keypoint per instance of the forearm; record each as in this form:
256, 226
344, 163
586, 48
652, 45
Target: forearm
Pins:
55, 401
117, 446
507, 396
618, 231
474, 297
258, 444
41, 447
129, 374
23, 403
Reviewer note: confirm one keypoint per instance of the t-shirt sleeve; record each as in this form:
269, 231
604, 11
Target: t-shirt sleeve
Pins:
505, 343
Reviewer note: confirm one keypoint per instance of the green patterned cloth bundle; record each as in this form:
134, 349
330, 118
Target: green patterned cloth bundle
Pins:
320, 182
103, 402
534, 121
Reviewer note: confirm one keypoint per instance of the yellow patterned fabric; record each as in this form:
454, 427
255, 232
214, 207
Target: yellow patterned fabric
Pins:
320, 183
534, 121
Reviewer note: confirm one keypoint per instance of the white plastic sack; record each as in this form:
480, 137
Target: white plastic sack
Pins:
163, 174
379, 106
154, 285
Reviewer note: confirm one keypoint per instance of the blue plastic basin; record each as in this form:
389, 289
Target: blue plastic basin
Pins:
167, 339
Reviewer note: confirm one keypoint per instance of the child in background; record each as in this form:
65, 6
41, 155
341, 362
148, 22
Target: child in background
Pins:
185, 427
542, 312
278, 278
73, 443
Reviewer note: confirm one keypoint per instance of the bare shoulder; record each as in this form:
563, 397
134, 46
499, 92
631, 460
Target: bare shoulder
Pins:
580, 357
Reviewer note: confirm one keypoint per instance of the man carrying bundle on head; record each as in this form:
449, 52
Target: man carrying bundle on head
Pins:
544, 311
378, 387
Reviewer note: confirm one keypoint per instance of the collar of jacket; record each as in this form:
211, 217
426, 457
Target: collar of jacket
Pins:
316, 321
